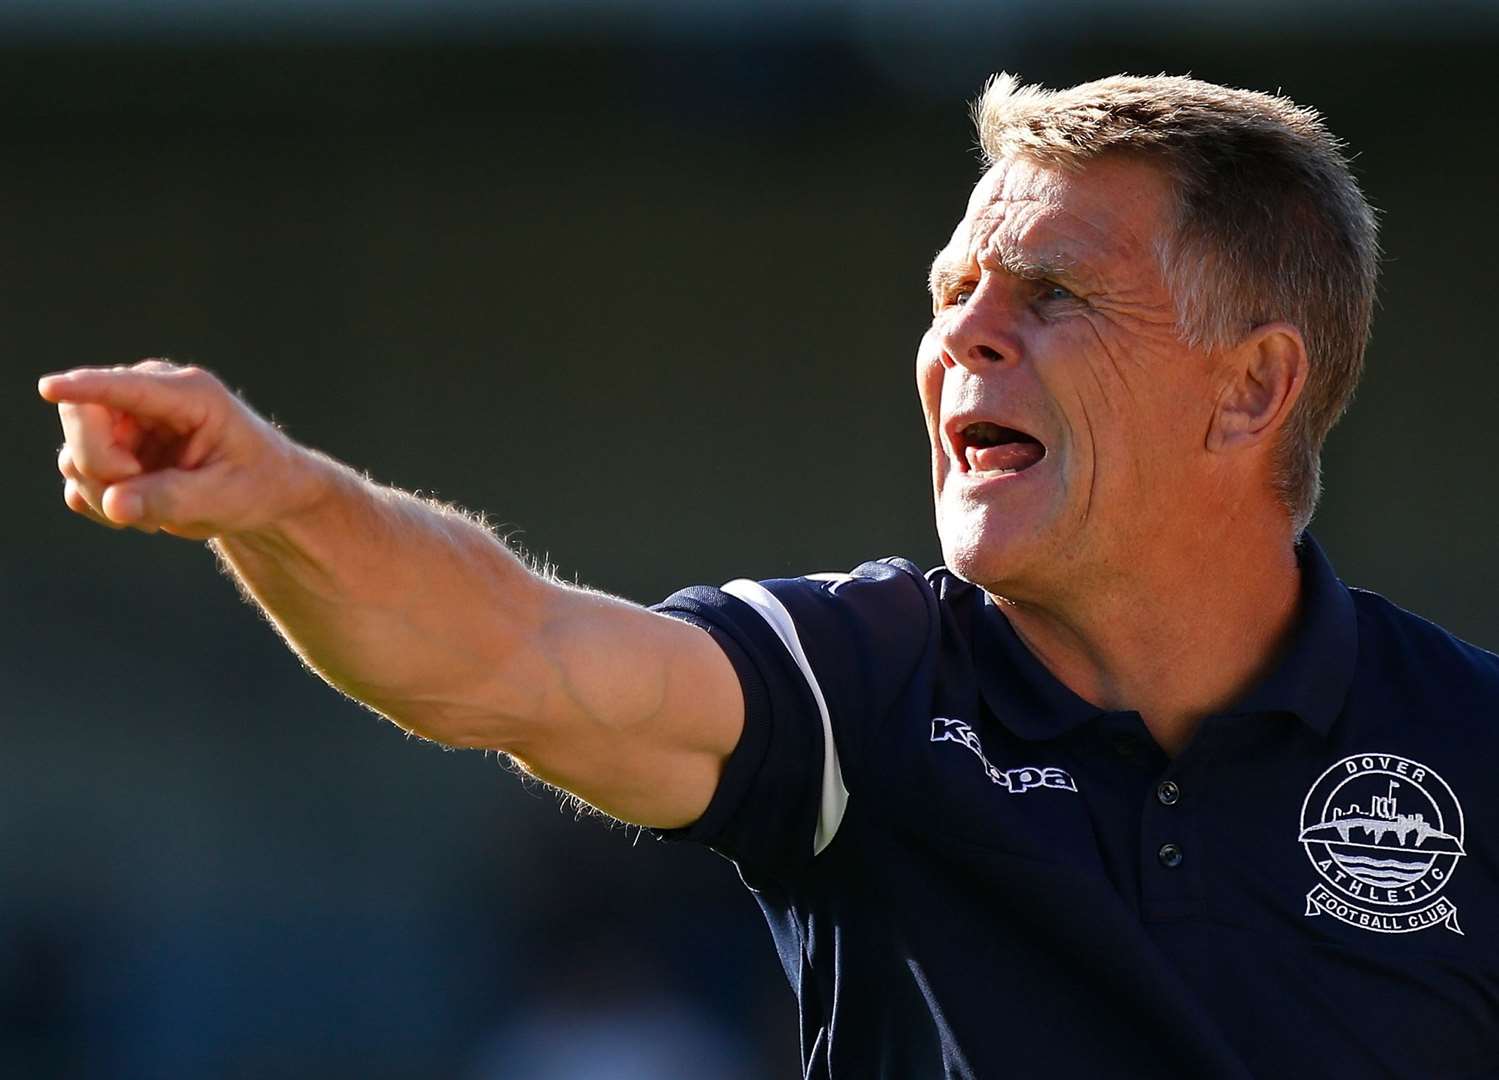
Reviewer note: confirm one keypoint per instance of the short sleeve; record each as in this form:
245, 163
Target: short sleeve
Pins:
820, 659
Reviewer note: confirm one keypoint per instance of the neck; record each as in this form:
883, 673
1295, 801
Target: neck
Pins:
1181, 634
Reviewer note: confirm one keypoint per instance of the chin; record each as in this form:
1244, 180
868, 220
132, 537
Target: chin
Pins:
1007, 535
998, 556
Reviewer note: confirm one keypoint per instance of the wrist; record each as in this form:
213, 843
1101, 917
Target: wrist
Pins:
303, 503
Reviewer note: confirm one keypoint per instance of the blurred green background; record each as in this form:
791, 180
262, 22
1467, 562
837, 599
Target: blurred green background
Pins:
643, 282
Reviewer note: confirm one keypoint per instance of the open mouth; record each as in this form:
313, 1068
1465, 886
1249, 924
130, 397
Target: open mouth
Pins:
984, 447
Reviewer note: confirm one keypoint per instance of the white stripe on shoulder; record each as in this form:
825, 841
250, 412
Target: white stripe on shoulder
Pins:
834, 794
834, 580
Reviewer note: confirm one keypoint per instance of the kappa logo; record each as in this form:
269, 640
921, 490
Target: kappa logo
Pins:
1384, 833
1015, 781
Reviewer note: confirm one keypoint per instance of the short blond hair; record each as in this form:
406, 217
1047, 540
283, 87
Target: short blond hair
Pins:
1270, 223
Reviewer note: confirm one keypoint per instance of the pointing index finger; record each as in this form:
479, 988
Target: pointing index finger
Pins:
171, 397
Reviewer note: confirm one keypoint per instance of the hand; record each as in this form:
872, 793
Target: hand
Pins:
162, 446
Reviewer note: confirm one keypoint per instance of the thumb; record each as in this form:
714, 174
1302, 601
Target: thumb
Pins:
178, 500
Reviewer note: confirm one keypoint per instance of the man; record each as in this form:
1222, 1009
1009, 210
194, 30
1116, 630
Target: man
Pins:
1134, 784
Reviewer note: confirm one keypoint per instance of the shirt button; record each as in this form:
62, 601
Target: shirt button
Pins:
1168, 793
1170, 856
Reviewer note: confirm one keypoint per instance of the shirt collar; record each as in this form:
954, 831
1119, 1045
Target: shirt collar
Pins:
1310, 680
1019, 690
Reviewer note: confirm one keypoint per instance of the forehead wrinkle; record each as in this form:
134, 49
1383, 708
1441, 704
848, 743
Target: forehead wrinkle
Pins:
1002, 230
1054, 222
997, 252
999, 240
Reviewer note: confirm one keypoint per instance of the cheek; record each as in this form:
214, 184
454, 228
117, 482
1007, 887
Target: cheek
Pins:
1141, 411
929, 371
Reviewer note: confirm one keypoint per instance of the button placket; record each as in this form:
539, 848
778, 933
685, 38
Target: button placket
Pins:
1169, 855
1170, 884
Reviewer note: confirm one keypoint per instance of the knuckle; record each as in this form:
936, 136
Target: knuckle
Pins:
77, 461
89, 492
76, 501
200, 377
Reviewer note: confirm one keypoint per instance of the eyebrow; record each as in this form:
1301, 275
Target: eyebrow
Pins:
942, 277
1058, 266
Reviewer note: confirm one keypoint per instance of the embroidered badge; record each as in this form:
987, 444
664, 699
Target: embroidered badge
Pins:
1015, 781
1384, 833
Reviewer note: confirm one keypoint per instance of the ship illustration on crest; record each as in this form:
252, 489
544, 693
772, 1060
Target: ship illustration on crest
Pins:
1408, 843
1384, 833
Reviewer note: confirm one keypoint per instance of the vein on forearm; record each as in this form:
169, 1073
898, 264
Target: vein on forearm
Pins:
406, 604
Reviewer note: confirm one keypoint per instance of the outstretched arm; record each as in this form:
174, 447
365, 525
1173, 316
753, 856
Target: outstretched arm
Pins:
409, 606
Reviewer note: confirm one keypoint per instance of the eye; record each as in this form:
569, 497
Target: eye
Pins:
951, 296
1050, 290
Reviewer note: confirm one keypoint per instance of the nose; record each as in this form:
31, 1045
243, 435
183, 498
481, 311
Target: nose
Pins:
981, 334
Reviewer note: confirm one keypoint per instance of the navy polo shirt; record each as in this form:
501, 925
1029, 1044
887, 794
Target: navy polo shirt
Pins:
969, 871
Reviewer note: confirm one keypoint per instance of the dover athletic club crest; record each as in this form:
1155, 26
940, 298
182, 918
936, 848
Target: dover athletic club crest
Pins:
1384, 833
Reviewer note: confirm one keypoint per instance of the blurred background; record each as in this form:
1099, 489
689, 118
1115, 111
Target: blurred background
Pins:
643, 281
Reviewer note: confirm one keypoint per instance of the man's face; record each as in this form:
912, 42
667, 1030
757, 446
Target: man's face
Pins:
1067, 418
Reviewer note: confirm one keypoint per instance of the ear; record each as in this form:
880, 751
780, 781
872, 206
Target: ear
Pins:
1263, 376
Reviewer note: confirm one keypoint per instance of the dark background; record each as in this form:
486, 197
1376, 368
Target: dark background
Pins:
645, 288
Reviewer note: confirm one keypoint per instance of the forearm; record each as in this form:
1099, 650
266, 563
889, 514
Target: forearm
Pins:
405, 605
